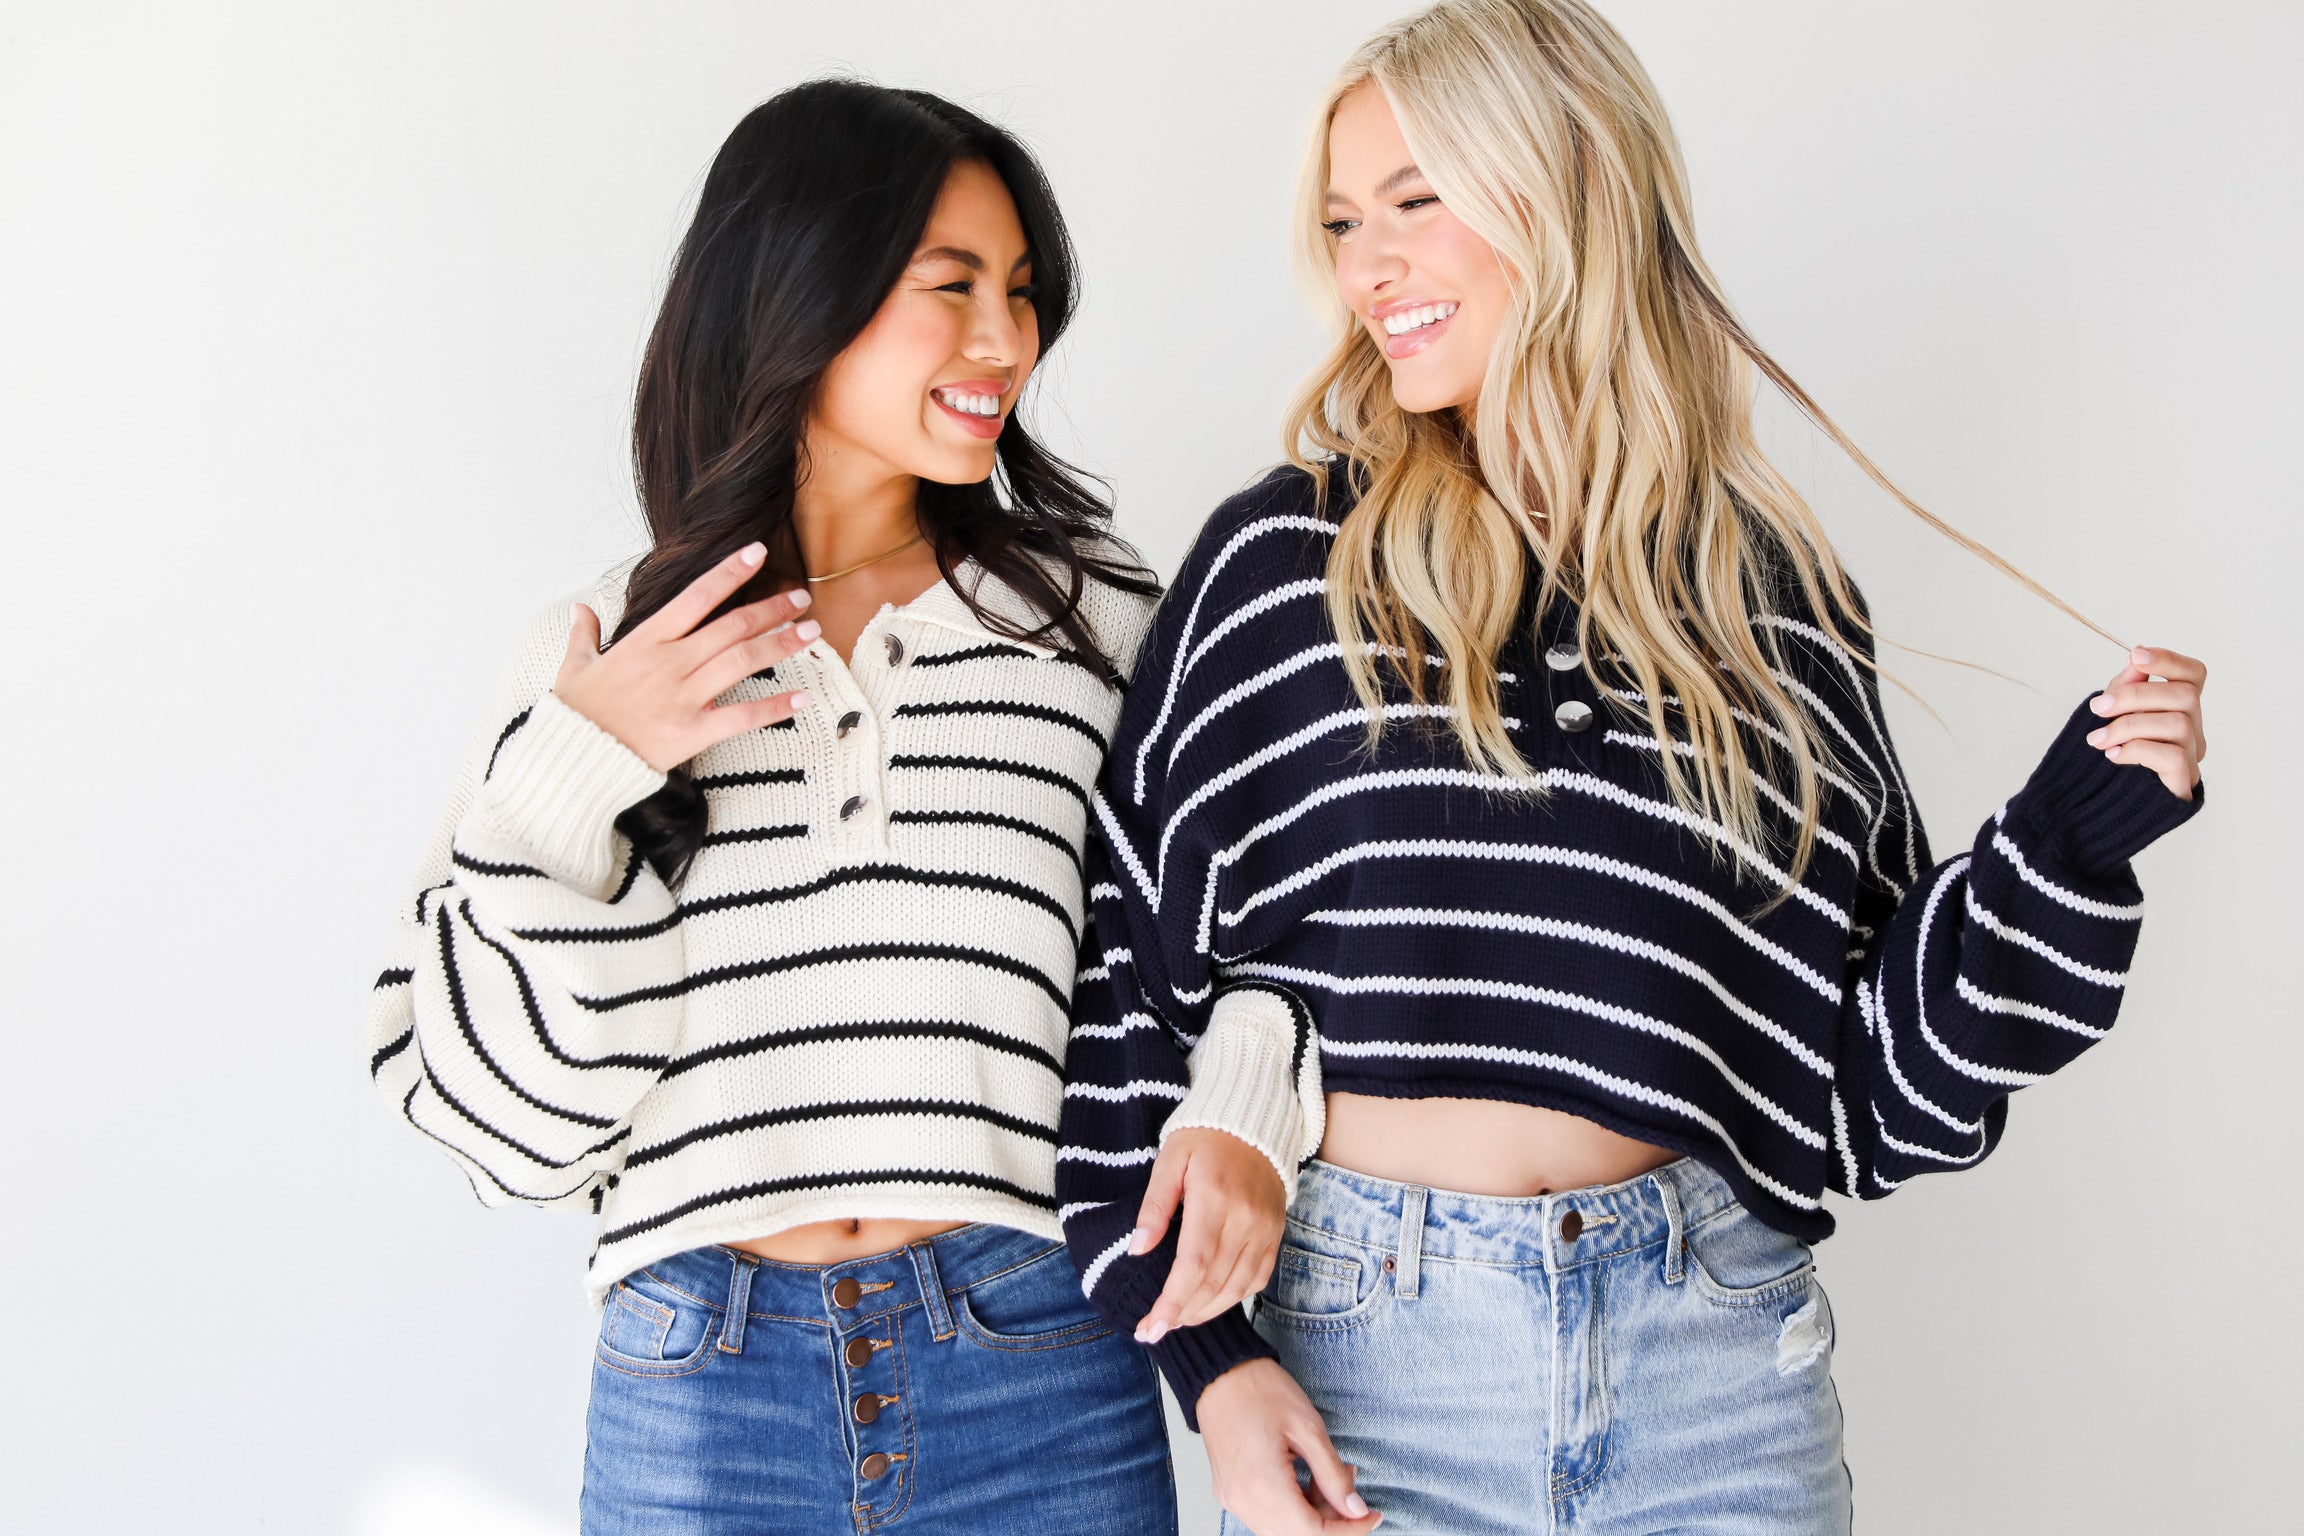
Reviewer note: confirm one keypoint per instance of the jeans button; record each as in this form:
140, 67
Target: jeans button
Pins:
859, 1353
1572, 1225
846, 1293
875, 1465
867, 1407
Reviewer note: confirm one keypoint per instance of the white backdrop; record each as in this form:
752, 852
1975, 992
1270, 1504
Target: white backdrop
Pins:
317, 331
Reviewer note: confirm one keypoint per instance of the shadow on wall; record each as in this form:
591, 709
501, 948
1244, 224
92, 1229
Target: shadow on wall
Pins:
433, 1498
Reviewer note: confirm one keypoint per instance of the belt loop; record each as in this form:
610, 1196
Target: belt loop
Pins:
932, 1289
739, 1302
1411, 1271
1675, 1229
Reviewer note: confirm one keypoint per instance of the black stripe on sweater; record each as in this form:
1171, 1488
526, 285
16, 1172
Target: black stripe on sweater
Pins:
712, 781
876, 1029
536, 1011
832, 955
1054, 840
993, 765
502, 737
376, 1062
862, 874
860, 1108
973, 653
1008, 708
471, 1036
755, 834
951, 1176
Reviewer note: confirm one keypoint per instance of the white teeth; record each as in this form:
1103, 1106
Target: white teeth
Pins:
974, 405
1416, 319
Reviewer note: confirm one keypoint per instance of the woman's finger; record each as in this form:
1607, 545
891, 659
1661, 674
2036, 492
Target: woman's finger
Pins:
2171, 762
731, 720
740, 625
1309, 1440
750, 659
1215, 1293
2160, 725
2128, 698
1161, 1192
1195, 1246
2172, 665
583, 640
707, 592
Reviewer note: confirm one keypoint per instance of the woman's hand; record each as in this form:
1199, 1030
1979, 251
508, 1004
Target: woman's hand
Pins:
1234, 1209
1257, 1422
653, 690
2153, 717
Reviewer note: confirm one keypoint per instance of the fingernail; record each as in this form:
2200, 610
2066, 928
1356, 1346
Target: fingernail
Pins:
1151, 1334
753, 553
802, 597
2112, 753
1140, 1242
2139, 655
2102, 703
802, 698
2096, 737
1355, 1506
807, 629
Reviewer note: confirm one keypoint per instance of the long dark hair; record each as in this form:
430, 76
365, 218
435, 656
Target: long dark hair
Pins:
811, 211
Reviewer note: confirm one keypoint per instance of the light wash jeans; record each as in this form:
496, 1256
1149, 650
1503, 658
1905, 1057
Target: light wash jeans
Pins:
958, 1386
1640, 1358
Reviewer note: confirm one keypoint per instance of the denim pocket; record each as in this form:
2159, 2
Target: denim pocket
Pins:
655, 1331
1036, 1305
1321, 1281
1739, 1260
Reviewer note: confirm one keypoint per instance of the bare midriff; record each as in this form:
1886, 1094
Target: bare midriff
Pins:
1480, 1146
835, 1242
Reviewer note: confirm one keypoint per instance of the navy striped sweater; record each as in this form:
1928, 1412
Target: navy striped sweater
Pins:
1436, 934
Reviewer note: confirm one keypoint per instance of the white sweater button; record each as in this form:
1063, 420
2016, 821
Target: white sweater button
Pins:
849, 722
851, 806
895, 648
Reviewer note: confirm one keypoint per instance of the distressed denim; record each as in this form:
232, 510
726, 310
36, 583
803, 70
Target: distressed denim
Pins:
1615, 1361
961, 1384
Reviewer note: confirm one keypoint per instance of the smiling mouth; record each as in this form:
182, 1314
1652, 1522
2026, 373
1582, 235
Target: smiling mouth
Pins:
1416, 319
967, 404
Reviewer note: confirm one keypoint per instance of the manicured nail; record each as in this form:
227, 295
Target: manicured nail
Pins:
1140, 1242
801, 699
807, 629
2140, 656
2096, 737
1355, 1506
2102, 703
802, 597
1151, 1334
753, 553
2112, 753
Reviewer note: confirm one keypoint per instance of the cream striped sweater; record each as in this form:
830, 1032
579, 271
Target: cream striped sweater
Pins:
855, 1005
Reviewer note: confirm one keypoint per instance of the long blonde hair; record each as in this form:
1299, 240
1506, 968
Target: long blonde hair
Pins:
1612, 440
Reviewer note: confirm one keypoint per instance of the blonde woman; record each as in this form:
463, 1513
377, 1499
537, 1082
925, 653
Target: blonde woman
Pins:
1503, 812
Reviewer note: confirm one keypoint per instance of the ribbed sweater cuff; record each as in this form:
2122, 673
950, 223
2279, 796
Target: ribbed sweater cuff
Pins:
2097, 814
557, 788
1244, 1082
1190, 1357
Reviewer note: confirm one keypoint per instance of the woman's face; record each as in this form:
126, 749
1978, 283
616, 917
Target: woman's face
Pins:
1431, 293
926, 387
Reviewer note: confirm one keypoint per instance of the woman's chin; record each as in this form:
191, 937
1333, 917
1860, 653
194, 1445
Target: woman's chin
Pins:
1419, 393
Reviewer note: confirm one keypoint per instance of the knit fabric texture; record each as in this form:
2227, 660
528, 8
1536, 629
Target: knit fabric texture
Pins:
856, 1004
1589, 947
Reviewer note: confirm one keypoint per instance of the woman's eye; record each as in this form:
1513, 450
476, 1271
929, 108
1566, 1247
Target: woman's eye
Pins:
965, 285
1415, 203
1338, 228
1028, 293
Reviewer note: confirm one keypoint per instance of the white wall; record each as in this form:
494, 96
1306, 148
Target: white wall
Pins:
317, 327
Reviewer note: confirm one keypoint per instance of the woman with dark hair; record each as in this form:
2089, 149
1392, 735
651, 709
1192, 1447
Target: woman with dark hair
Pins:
754, 932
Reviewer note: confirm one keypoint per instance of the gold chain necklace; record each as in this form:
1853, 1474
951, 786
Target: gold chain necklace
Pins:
875, 560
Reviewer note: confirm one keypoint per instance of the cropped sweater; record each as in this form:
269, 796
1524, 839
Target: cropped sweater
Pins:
1277, 912
856, 1003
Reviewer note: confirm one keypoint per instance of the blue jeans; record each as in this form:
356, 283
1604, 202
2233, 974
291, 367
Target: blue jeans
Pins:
961, 1384
1643, 1357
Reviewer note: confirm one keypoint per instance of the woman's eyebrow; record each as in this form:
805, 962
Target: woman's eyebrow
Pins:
966, 258
1392, 183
